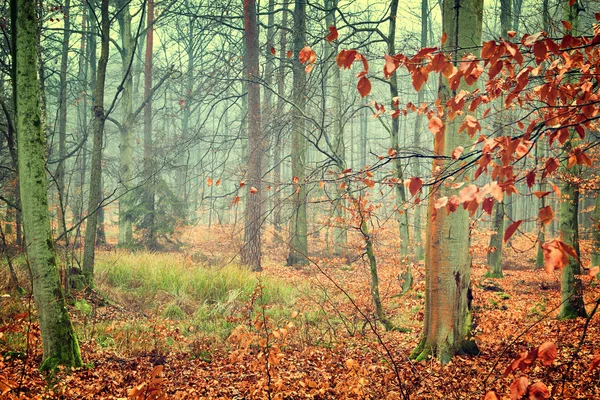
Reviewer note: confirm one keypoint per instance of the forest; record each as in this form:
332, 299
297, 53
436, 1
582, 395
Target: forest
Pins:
294, 199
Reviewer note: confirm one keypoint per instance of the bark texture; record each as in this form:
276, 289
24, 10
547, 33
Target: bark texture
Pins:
59, 342
298, 225
251, 252
447, 322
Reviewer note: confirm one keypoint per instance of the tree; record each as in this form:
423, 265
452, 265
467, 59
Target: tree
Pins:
94, 201
571, 289
149, 199
251, 252
395, 143
298, 230
126, 202
447, 322
60, 345
494, 258
62, 119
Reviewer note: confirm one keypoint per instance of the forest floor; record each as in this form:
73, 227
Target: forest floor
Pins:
187, 325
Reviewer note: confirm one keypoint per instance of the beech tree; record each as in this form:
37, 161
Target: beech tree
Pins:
447, 323
251, 252
60, 346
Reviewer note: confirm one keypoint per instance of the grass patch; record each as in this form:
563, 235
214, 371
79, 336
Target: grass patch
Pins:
210, 300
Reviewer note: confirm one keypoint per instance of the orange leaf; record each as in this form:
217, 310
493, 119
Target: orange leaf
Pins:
567, 25
307, 55
511, 34
441, 202
538, 391
518, 388
491, 396
444, 37
415, 185
595, 362
218, 182
436, 125
209, 181
547, 353
364, 86
546, 215
512, 228
539, 195
333, 34
556, 254
253, 190
457, 152
289, 54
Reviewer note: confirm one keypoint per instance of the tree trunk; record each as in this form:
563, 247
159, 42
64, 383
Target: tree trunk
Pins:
338, 149
379, 313
596, 230
59, 342
148, 146
494, 258
251, 252
417, 234
402, 214
62, 120
280, 107
571, 288
96, 167
447, 322
298, 230
126, 202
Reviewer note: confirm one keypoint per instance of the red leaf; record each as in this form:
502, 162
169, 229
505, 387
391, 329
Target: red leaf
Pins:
333, 34
307, 55
530, 178
595, 362
488, 205
253, 190
364, 86
567, 25
444, 37
289, 54
512, 228
550, 167
415, 185
547, 353
272, 50
546, 214
538, 391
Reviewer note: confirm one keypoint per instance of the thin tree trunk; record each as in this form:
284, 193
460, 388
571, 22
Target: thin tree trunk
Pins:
494, 258
402, 215
95, 192
149, 218
280, 110
126, 202
62, 119
571, 288
59, 342
299, 229
251, 252
417, 234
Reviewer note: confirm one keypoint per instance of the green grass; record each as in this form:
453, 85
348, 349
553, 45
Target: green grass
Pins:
170, 275
208, 299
